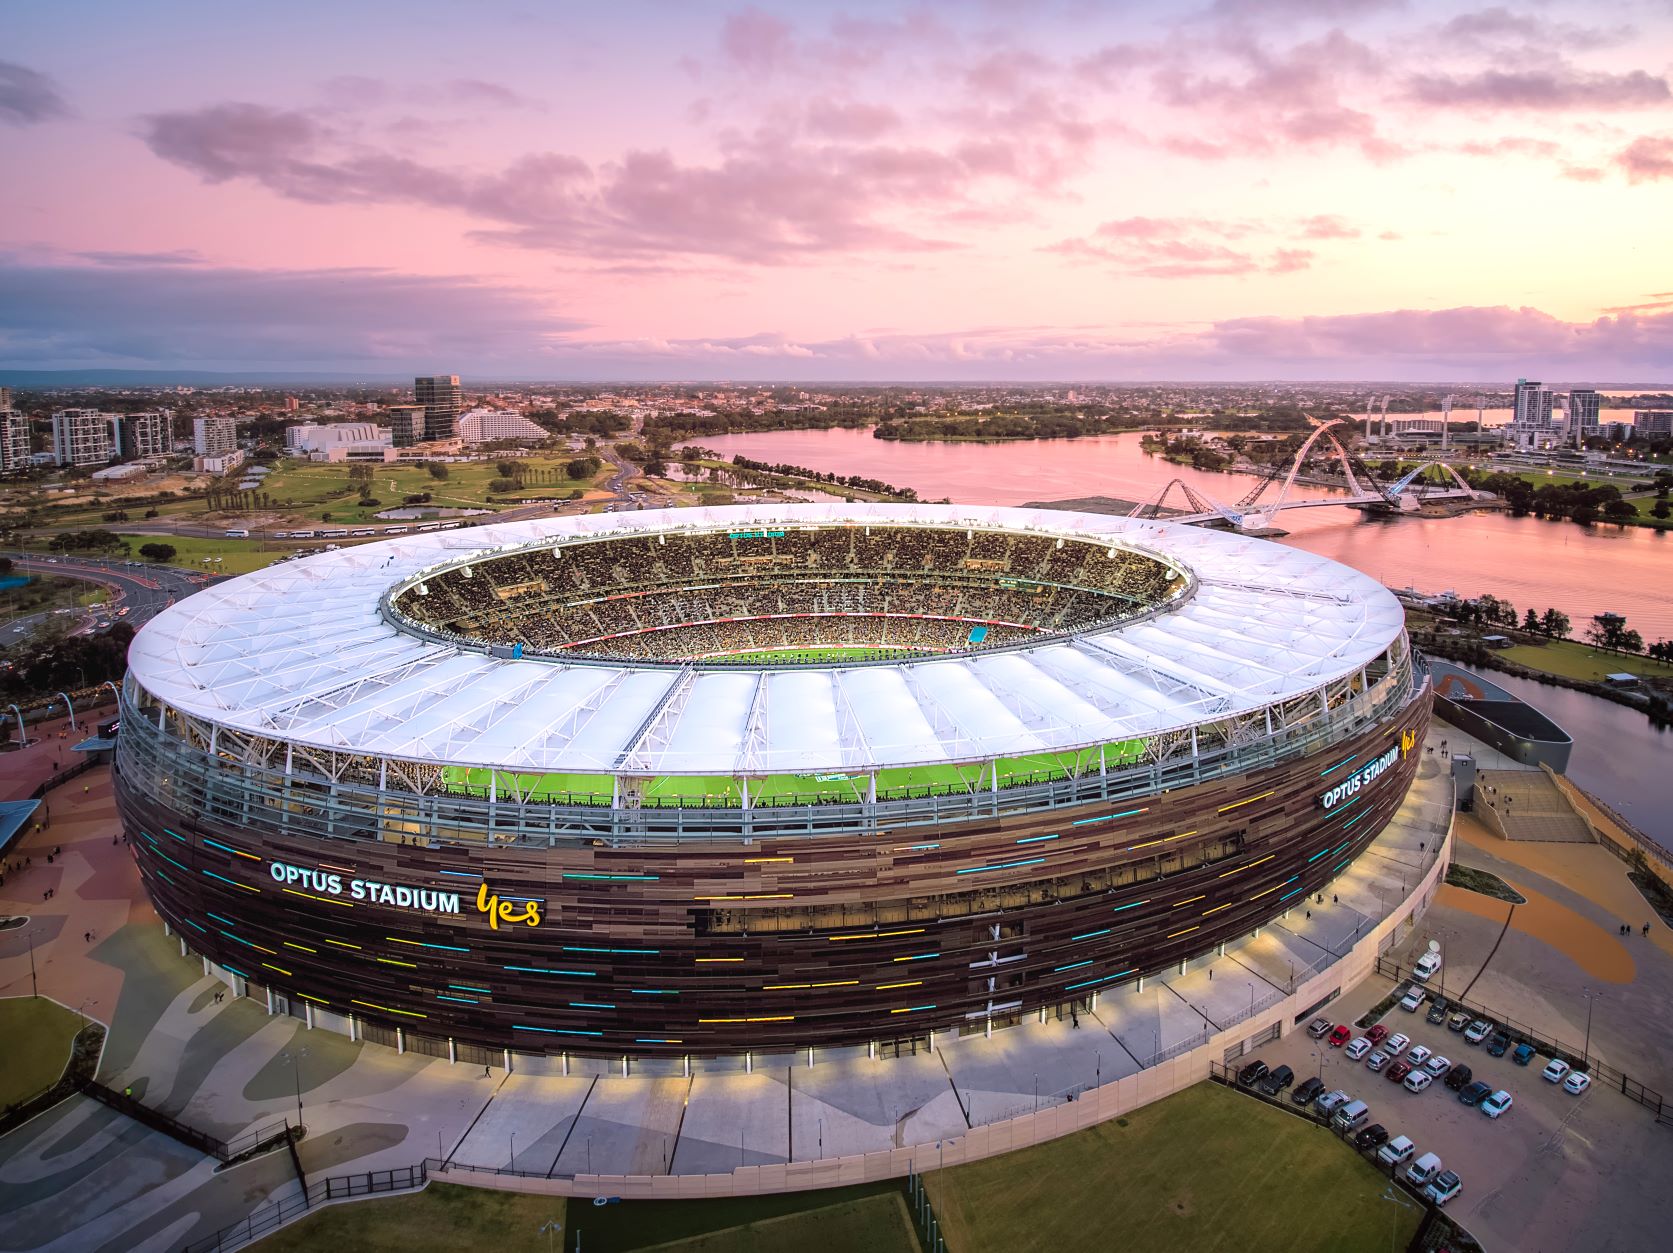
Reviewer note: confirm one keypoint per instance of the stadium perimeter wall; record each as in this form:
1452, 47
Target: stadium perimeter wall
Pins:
1096, 1105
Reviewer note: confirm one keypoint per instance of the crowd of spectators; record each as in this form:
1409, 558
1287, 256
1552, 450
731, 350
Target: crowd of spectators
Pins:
677, 596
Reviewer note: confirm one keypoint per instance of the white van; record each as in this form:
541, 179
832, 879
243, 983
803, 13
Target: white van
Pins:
1351, 1117
239, 533
1422, 1172
1426, 966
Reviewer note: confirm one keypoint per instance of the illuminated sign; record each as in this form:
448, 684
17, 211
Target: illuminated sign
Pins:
499, 911
1360, 778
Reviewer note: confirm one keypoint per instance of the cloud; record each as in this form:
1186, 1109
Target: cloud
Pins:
1559, 87
756, 42
28, 97
1187, 247
1498, 28
769, 198
848, 119
1647, 159
1328, 226
475, 91
61, 315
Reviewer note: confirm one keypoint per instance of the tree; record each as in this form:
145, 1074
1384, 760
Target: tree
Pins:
157, 552
501, 486
508, 469
437, 471
583, 467
1531, 621
1620, 511
1660, 509
1556, 624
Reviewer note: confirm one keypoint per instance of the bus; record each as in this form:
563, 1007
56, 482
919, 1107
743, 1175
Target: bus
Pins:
239, 533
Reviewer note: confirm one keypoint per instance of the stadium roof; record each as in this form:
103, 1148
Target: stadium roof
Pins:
301, 652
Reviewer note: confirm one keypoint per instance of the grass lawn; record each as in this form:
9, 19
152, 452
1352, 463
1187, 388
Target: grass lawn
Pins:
871, 1218
37, 1033
238, 556
1205, 1170
1577, 661
315, 488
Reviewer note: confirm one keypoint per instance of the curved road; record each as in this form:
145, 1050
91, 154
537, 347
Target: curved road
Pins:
141, 588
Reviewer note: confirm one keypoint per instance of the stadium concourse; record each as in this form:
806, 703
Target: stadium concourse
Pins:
226, 1065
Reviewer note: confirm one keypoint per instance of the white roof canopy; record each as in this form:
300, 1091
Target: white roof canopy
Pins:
301, 652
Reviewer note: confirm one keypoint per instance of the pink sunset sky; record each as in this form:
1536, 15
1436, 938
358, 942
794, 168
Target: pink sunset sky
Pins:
662, 189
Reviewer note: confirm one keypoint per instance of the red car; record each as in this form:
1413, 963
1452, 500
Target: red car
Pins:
1376, 1034
1398, 1070
1340, 1036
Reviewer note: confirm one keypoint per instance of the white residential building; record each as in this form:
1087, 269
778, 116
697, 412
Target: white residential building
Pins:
137, 435
14, 441
215, 436
81, 437
487, 426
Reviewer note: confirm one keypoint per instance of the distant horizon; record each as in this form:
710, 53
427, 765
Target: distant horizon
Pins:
842, 192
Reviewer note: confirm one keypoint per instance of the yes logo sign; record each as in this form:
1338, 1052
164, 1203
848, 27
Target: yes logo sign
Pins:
499, 911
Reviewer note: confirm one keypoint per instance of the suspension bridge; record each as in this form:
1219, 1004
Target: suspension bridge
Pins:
1258, 510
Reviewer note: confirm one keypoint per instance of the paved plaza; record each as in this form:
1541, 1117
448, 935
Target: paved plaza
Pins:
225, 1066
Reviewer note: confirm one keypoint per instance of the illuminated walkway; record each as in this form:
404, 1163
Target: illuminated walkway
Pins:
226, 1066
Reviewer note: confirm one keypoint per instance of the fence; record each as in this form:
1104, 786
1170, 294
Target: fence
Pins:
243, 1145
270, 1218
923, 1214
1436, 1230
1579, 1058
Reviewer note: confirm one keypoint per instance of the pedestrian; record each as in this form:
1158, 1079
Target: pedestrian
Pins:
1309, 915
1335, 899
49, 859
45, 895
1646, 929
1420, 846
86, 937
486, 1073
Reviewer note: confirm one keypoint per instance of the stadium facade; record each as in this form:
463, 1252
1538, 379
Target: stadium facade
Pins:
755, 779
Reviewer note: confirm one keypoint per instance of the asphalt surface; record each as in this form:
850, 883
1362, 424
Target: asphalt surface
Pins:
141, 588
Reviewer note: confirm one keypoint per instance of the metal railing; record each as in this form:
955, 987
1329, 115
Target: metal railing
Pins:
267, 800
1523, 1033
269, 1218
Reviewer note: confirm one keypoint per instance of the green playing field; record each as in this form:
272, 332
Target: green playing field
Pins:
795, 789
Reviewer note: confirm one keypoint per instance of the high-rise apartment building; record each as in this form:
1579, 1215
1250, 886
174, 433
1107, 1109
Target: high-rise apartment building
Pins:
407, 425
136, 435
5, 399
14, 440
215, 436
443, 399
81, 437
1530, 424
1584, 406
1652, 423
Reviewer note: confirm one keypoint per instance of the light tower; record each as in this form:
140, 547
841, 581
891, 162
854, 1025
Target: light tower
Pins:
1446, 424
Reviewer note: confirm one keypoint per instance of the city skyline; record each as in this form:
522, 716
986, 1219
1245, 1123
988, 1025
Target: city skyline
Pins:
1250, 189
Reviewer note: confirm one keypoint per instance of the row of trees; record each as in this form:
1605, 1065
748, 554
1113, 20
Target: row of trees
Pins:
1606, 630
820, 476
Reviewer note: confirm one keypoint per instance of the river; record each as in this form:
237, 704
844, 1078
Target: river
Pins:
1579, 570
1618, 754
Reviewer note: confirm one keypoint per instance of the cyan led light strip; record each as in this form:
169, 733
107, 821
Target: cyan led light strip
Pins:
536, 970
1339, 765
918, 957
1003, 865
459, 874
1116, 909
451, 948
1089, 935
626, 878
911, 1009
1126, 813
576, 948
233, 882
1086, 983
463, 1000
590, 1005
517, 1026
465, 987
1036, 839
1057, 970
654, 1039
653, 992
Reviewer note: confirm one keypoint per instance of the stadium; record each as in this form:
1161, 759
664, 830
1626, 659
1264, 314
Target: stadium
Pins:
756, 779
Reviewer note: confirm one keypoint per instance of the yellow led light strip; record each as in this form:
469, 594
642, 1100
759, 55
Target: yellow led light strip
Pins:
1189, 899
789, 987
701, 961
302, 948
1250, 801
388, 1010
749, 896
390, 961
280, 969
1187, 931
312, 897
1241, 869
315, 999
756, 861
913, 983
343, 944
775, 1018
1218, 908
873, 935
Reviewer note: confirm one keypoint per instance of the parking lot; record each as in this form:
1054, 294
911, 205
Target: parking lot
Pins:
1553, 1172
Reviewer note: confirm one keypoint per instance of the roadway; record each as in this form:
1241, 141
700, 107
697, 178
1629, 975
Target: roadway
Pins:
141, 588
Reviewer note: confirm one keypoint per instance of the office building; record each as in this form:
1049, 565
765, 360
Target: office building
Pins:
339, 441
406, 425
443, 399
14, 441
214, 436
81, 437
1531, 424
1584, 406
137, 435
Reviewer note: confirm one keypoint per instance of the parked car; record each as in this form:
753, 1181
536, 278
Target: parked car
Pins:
1459, 1020
1437, 1065
1446, 1186
1396, 1151
1413, 1000
1374, 1136
1419, 1080
1473, 1093
1340, 1035
1351, 1117
1376, 1034
1577, 1082
1458, 1078
1478, 1031
1437, 1012
1358, 1049
1422, 1172
1396, 1043
1319, 1028
1420, 1053
1252, 1073
1426, 967
1332, 1101
1376, 1061
1555, 1070
1496, 1104
1523, 1055
1399, 1069
1277, 1080
1307, 1090
1499, 1045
